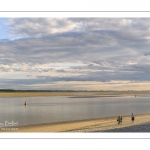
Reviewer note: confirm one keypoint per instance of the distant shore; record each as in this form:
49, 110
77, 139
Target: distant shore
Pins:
94, 125
76, 94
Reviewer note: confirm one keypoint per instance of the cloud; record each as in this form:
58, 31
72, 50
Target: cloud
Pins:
40, 26
76, 50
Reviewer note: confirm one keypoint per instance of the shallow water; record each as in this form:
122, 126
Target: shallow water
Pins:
57, 109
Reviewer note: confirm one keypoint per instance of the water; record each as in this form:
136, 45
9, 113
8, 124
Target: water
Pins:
57, 109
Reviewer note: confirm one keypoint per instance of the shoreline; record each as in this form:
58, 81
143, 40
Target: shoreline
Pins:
108, 124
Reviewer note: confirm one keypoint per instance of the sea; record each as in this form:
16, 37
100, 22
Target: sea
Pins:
45, 110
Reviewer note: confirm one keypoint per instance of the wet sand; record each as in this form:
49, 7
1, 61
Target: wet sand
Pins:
140, 124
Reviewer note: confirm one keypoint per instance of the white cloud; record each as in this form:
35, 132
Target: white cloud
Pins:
40, 26
126, 22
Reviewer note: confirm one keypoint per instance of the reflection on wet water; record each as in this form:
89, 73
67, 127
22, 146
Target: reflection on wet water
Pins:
56, 109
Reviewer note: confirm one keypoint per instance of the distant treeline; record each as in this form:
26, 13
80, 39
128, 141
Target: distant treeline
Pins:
12, 90
6, 90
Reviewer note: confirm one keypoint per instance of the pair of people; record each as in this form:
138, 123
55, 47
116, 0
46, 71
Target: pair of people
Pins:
119, 119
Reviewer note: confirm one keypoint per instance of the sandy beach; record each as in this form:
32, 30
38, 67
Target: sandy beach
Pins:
80, 94
140, 124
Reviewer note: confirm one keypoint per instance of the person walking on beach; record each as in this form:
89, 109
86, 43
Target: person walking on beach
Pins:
132, 117
118, 119
121, 119
25, 103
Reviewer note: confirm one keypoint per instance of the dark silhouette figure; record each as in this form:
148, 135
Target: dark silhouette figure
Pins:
132, 117
25, 103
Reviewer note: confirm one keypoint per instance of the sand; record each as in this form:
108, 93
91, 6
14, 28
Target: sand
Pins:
80, 94
97, 125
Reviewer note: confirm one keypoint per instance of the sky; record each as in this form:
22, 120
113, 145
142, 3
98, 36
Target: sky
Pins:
75, 53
